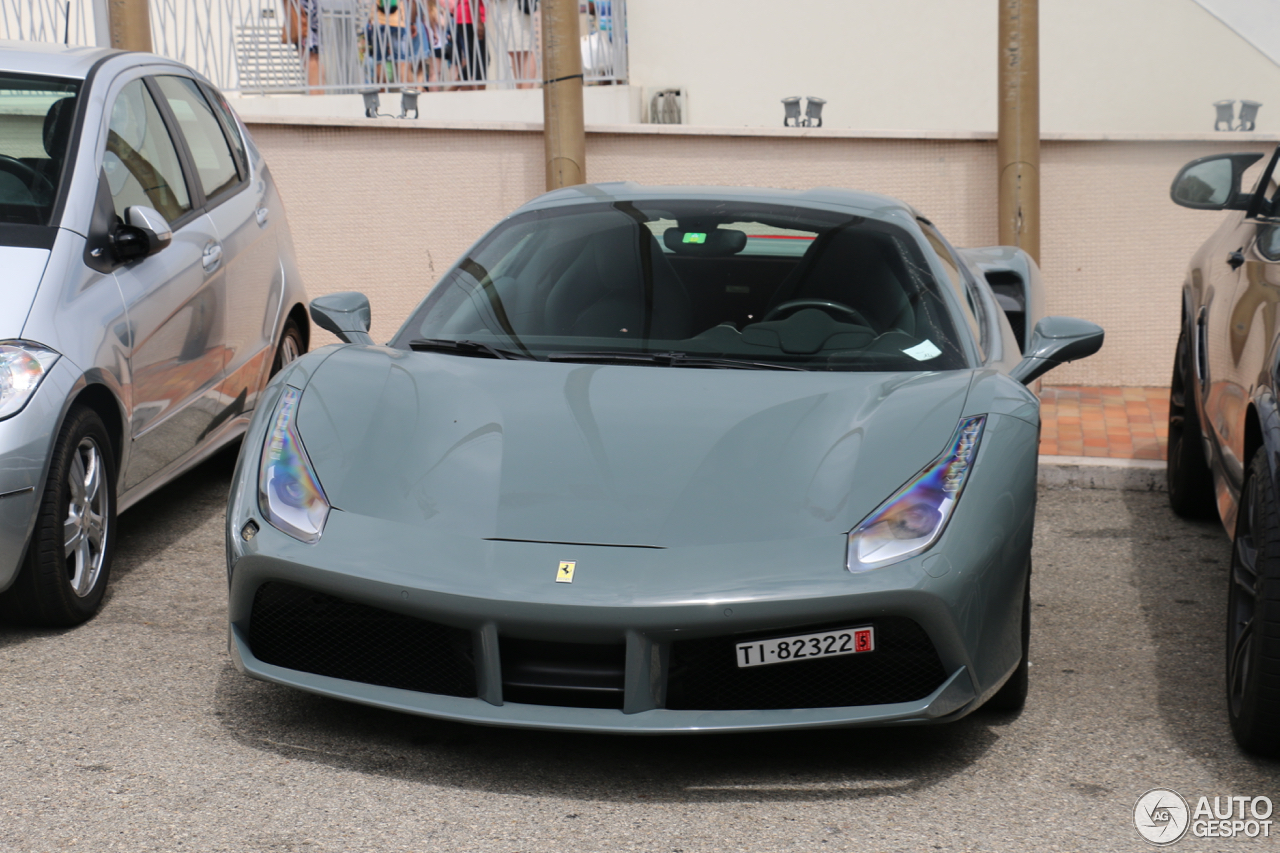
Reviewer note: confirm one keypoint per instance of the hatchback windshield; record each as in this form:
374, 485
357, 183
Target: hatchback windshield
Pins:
694, 283
35, 124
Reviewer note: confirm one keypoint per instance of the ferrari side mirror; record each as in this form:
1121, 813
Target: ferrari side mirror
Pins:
1055, 341
345, 314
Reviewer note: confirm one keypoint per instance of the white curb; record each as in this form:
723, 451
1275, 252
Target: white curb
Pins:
1096, 472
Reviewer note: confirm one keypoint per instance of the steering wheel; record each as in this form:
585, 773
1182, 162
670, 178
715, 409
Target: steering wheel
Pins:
29, 176
838, 311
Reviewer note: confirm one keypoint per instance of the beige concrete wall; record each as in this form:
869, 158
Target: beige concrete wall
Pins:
1106, 65
385, 208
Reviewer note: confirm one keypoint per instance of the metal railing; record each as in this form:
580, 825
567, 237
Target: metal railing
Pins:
272, 46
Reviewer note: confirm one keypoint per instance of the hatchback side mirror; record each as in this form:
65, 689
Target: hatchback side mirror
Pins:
345, 314
1055, 341
143, 233
1213, 183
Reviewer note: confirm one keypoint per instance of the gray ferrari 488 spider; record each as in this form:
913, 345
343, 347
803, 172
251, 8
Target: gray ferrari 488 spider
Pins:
660, 460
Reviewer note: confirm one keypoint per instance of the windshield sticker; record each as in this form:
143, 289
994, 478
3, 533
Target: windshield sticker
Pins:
923, 352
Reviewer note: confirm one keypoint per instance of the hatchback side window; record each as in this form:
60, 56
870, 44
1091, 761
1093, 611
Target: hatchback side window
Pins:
215, 165
141, 162
230, 125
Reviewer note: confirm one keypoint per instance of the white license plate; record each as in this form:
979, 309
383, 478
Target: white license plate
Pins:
846, 641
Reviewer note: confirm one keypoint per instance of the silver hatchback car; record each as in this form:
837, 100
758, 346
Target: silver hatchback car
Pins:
149, 292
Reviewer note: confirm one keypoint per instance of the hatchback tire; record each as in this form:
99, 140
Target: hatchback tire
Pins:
291, 346
64, 575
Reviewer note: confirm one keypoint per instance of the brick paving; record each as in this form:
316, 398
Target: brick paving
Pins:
1118, 423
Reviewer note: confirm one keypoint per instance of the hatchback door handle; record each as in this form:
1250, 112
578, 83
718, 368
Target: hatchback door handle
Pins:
262, 213
1235, 259
211, 257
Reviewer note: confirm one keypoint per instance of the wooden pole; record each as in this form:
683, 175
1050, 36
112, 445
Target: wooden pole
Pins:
1018, 144
130, 23
564, 133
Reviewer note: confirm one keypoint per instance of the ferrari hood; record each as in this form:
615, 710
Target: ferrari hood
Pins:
617, 455
23, 268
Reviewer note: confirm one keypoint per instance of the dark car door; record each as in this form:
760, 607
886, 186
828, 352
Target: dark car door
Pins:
1239, 328
174, 298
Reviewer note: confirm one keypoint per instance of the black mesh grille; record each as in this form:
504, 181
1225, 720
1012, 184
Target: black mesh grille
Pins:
904, 667
313, 632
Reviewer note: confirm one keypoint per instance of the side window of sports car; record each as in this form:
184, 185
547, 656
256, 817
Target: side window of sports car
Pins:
958, 283
141, 161
216, 166
1269, 242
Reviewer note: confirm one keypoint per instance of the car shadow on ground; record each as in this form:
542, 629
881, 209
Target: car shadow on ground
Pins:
1180, 575
784, 766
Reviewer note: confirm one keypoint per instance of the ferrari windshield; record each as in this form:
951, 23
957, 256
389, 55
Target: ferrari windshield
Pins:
694, 283
35, 127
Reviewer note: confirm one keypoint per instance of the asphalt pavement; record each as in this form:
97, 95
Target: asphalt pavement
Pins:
135, 733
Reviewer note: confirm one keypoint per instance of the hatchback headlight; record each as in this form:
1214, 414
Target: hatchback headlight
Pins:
289, 494
22, 366
914, 518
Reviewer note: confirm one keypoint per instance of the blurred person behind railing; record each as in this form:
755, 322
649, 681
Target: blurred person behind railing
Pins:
470, 57
388, 42
597, 44
519, 25
430, 43
302, 29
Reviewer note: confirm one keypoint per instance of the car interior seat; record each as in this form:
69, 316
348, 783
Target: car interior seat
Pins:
55, 135
620, 285
854, 267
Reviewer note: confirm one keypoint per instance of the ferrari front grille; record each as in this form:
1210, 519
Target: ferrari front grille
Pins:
570, 675
904, 667
311, 631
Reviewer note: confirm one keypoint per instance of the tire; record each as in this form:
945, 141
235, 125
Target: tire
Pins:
291, 346
1187, 473
1253, 615
62, 581
1012, 696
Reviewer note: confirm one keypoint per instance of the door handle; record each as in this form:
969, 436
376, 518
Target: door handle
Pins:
1235, 259
262, 213
211, 257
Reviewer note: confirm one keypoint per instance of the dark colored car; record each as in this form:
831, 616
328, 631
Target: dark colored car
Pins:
1224, 427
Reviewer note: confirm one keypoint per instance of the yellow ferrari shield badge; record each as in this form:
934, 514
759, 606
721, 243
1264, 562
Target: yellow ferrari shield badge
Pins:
565, 573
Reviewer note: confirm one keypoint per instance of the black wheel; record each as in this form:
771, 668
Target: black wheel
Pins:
1253, 615
291, 346
1187, 472
1013, 694
64, 575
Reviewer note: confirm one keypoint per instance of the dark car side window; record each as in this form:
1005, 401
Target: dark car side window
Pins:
1269, 242
141, 161
216, 166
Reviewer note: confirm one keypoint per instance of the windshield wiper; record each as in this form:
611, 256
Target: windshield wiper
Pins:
668, 359
465, 348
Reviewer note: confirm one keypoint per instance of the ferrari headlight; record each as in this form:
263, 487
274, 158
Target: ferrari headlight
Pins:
22, 366
289, 493
914, 518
